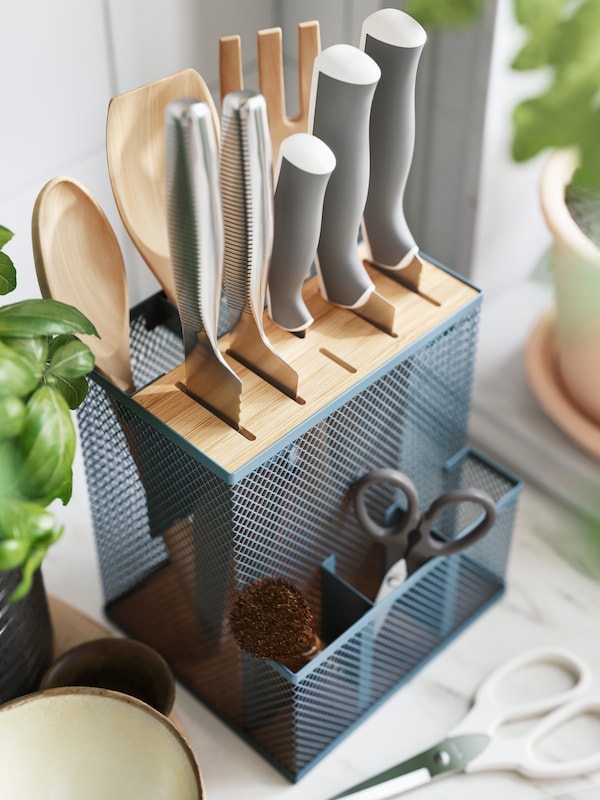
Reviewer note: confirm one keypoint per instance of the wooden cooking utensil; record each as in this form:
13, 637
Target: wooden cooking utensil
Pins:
78, 261
136, 163
231, 76
270, 76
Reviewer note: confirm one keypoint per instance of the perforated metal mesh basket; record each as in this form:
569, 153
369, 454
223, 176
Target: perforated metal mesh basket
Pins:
176, 540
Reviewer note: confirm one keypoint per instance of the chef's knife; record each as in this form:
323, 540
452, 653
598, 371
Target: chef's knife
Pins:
304, 167
196, 247
344, 82
247, 196
394, 40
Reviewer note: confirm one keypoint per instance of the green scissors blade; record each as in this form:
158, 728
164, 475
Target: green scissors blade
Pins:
448, 756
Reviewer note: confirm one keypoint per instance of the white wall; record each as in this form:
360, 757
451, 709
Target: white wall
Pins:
510, 237
55, 87
61, 62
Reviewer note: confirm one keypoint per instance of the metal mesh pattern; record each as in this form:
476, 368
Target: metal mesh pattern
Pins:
176, 542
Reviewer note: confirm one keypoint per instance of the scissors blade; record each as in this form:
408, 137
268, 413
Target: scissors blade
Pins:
447, 757
395, 575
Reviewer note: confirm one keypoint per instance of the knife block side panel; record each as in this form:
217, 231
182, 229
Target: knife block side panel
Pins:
180, 528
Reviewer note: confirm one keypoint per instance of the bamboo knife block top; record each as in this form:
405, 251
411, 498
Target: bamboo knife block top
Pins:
340, 350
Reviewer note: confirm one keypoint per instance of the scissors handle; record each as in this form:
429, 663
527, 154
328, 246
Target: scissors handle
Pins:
519, 753
489, 711
394, 477
428, 546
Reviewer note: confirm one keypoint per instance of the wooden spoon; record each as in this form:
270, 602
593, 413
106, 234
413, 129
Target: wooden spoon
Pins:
78, 261
135, 147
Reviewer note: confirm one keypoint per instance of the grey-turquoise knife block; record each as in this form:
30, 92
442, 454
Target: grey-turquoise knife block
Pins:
186, 510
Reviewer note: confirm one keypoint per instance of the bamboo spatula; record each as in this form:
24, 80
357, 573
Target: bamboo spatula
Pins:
271, 78
135, 147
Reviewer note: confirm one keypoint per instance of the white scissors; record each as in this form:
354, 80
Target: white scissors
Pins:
472, 745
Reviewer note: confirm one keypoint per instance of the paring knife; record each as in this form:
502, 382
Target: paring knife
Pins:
196, 244
394, 40
304, 166
344, 82
247, 196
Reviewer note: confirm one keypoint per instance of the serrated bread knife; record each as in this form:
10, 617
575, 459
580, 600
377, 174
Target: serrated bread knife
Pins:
247, 197
394, 40
196, 245
344, 82
304, 166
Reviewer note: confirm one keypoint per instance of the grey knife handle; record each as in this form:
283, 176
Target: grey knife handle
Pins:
344, 81
194, 214
395, 41
304, 167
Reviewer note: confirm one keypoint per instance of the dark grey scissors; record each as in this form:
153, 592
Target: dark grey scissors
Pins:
410, 541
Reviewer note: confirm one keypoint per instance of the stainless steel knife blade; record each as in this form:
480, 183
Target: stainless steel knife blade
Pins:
196, 244
247, 196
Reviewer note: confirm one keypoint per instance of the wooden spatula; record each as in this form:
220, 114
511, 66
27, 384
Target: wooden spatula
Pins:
136, 163
271, 78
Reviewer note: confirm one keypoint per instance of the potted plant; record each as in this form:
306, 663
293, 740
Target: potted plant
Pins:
42, 377
563, 354
562, 38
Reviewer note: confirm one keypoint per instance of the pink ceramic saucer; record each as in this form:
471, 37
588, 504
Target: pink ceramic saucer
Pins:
544, 380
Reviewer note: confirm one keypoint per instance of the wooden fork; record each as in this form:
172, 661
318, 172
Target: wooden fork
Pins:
271, 76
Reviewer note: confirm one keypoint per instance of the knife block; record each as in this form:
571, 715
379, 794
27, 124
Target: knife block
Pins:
186, 510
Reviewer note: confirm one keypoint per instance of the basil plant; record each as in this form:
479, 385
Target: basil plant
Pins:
42, 377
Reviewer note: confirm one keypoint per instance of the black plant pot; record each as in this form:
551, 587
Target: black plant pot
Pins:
25, 637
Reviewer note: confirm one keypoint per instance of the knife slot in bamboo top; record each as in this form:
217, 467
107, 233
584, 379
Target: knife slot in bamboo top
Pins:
270, 415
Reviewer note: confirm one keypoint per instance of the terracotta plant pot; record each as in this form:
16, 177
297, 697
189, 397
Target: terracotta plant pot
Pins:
25, 637
576, 270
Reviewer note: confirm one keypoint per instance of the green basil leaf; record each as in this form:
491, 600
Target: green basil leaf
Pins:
69, 357
14, 520
5, 236
19, 373
28, 570
10, 468
8, 274
540, 18
13, 553
48, 446
28, 524
43, 317
439, 13
562, 37
12, 416
36, 346
74, 390
64, 491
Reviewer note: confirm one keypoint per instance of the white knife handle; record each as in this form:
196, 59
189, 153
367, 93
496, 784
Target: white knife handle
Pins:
304, 167
344, 81
395, 41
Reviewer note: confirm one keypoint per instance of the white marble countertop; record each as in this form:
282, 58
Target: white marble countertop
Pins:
552, 597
